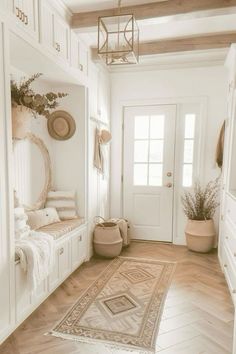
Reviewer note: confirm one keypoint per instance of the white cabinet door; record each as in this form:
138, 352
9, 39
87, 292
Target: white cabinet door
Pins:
26, 12
54, 277
83, 58
30, 16
64, 260
62, 265
54, 31
61, 35
78, 249
74, 45
83, 247
46, 25
23, 297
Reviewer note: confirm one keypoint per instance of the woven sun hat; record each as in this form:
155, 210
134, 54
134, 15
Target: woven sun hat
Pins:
61, 125
105, 136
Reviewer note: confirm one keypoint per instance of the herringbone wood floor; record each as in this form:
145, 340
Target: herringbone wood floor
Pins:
197, 318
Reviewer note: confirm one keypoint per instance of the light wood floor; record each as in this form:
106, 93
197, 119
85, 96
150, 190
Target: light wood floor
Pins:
197, 318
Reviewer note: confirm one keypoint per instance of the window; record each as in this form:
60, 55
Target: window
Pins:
189, 136
149, 150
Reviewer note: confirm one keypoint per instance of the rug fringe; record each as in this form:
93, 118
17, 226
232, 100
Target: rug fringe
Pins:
107, 344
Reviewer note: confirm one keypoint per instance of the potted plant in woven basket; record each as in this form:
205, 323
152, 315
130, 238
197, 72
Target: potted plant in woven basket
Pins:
199, 207
27, 103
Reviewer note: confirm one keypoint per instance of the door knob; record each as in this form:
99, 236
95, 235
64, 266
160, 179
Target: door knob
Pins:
169, 174
169, 185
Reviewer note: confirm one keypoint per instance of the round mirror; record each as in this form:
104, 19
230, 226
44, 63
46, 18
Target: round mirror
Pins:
32, 172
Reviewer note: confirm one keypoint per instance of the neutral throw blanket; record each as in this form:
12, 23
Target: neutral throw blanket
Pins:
36, 253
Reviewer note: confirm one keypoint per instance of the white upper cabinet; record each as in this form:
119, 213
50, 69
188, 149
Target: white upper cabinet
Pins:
26, 12
74, 45
79, 54
54, 31
46, 15
61, 36
83, 58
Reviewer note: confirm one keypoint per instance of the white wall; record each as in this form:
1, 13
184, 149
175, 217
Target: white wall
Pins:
68, 158
99, 117
203, 83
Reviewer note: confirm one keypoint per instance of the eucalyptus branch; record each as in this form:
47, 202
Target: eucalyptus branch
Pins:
42, 104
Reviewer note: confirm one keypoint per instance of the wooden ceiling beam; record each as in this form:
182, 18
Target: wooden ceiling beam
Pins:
153, 10
204, 42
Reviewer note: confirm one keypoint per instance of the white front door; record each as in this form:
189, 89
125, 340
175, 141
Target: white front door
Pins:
148, 171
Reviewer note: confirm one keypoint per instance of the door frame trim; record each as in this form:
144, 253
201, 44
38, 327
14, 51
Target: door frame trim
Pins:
178, 101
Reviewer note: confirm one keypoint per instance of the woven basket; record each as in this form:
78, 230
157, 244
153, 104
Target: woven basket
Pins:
107, 239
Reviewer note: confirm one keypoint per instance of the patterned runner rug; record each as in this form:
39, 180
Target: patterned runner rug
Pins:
122, 308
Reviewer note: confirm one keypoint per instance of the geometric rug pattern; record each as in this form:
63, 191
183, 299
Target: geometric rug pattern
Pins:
122, 307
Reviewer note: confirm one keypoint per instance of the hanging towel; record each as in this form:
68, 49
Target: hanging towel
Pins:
98, 156
36, 253
220, 147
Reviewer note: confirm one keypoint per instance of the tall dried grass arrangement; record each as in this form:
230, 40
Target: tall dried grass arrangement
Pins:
202, 203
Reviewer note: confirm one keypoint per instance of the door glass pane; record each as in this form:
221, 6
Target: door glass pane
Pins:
157, 127
155, 174
189, 126
187, 175
141, 151
140, 174
156, 151
141, 127
188, 151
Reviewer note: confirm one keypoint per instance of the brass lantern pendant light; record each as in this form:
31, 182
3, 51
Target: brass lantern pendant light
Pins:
118, 38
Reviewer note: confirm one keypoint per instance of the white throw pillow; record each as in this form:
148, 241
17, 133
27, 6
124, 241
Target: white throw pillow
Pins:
64, 202
42, 217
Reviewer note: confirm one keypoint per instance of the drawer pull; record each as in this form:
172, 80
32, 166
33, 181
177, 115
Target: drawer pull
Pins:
26, 20
81, 67
61, 251
225, 265
80, 238
227, 237
20, 15
234, 291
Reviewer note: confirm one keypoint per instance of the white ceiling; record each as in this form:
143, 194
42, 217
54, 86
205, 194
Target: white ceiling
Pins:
93, 5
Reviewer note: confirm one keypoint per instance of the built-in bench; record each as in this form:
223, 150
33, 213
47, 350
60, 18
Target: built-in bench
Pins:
71, 250
59, 229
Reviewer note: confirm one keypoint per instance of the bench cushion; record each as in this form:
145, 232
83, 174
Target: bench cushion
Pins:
59, 229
